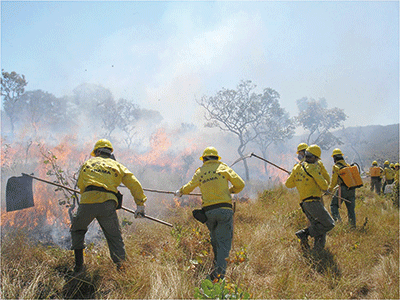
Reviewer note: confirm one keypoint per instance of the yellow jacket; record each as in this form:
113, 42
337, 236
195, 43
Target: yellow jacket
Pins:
324, 172
335, 176
213, 178
389, 173
109, 174
307, 186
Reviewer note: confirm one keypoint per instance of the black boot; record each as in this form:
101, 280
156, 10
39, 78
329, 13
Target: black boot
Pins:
319, 243
303, 237
78, 260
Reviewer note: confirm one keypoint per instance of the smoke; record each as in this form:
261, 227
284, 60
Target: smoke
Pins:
162, 157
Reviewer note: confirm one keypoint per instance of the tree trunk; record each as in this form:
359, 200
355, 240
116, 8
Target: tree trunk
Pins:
264, 153
246, 168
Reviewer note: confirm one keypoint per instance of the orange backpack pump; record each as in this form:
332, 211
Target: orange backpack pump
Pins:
351, 176
375, 172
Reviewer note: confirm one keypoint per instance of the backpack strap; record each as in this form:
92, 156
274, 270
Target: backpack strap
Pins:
304, 168
341, 165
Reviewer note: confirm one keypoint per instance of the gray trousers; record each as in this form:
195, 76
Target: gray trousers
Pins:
220, 224
349, 195
376, 184
106, 215
320, 222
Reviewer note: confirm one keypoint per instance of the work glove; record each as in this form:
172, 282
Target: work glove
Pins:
139, 213
178, 193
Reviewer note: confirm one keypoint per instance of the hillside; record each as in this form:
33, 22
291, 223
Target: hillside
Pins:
363, 144
371, 143
265, 261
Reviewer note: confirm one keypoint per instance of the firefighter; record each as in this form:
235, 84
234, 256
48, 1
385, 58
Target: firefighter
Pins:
396, 175
306, 176
388, 174
343, 191
213, 178
98, 180
376, 177
301, 150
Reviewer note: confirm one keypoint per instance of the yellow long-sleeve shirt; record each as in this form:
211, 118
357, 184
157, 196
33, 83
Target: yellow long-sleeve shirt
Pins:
109, 174
324, 172
389, 173
213, 178
306, 185
335, 176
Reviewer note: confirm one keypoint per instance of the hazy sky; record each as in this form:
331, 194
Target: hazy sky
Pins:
164, 55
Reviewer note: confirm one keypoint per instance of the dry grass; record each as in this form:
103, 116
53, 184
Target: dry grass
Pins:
169, 264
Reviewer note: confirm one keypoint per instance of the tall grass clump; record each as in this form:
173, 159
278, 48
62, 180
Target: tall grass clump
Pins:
266, 261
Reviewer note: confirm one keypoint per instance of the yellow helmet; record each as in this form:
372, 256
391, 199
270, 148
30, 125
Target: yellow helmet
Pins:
103, 143
396, 165
391, 165
386, 162
337, 151
374, 163
301, 146
210, 151
314, 150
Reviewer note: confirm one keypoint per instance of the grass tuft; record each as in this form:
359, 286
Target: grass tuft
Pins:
266, 260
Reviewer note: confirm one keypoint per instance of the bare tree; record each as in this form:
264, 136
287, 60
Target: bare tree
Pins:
277, 127
129, 114
107, 111
239, 111
92, 102
316, 118
40, 108
355, 139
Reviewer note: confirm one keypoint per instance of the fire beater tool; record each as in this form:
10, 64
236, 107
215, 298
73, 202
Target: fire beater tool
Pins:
282, 169
19, 194
163, 192
259, 157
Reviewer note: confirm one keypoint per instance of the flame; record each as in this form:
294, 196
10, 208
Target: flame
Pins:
159, 143
47, 214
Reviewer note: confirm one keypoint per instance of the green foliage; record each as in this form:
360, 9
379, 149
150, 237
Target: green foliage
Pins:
220, 289
12, 87
54, 169
126, 222
178, 231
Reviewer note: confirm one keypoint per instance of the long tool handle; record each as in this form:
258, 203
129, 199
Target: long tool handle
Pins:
73, 190
76, 191
276, 166
341, 198
252, 154
167, 192
240, 159
53, 183
148, 217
